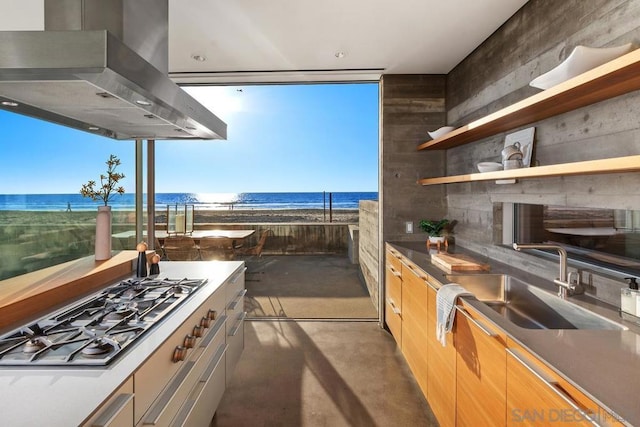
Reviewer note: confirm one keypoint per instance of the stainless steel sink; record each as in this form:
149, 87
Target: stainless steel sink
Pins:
528, 306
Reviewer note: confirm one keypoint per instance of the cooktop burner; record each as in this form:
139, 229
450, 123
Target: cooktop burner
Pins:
99, 328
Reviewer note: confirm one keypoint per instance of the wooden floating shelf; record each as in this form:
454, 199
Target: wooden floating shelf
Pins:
590, 167
617, 77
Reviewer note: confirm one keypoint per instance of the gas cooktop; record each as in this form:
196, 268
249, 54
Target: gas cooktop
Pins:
99, 328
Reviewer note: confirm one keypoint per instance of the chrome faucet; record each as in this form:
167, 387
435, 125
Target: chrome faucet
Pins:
567, 282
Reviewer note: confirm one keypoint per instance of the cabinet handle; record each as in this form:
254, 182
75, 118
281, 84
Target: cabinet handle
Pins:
236, 327
235, 278
479, 325
429, 284
234, 303
113, 410
549, 382
394, 271
395, 309
161, 403
184, 413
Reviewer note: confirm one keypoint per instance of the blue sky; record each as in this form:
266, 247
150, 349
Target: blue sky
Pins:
280, 138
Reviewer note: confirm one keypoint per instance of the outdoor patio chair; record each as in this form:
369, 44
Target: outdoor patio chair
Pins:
181, 248
217, 248
257, 249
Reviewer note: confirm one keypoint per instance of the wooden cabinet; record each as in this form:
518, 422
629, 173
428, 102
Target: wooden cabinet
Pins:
441, 368
414, 322
537, 396
480, 371
393, 294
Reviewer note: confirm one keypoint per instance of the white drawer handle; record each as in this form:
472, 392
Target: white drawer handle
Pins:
551, 383
235, 278
395, 309
236, 327
479, 325
113, 410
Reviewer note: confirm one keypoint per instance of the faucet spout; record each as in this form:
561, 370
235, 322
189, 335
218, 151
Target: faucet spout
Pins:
564, 281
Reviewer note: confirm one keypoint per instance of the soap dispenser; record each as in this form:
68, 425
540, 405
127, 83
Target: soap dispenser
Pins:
629, 297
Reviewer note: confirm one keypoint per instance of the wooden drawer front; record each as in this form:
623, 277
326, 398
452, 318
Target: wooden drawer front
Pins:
393, 283
441, 368
537, 396
234, 285
480, 372
166, 407
201, 405
393, 319
154, 375
414, 325
117, 411
394, 259
393, 303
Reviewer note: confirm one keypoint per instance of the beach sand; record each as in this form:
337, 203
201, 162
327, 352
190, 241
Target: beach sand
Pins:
43, 218
349, 216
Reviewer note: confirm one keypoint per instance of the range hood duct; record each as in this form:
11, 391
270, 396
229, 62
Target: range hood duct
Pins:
91, 69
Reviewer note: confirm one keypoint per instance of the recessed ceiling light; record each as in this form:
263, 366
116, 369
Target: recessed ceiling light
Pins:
199, 58
340, 54
142, 102
9, 104
94, 128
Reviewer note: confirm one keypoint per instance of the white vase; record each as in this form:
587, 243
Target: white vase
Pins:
103, 233
436, 239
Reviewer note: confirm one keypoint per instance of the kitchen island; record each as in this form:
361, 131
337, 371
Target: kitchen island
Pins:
208, 322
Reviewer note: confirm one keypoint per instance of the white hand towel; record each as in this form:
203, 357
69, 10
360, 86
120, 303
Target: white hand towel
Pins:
445, 309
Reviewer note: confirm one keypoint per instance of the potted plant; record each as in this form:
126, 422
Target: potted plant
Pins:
436, 229
104, 192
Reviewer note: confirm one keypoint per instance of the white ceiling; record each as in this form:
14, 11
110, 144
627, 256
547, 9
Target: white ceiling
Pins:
260, 41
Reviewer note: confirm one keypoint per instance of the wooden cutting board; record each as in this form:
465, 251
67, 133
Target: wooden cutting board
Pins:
458, 262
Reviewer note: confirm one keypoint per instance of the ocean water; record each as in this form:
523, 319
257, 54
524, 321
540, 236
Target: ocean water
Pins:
245, 201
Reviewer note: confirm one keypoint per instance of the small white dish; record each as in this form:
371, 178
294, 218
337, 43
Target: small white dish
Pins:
581, 60
441, 131
489, 166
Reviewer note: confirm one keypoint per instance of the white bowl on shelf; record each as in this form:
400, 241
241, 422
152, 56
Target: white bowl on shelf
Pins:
440, 131
489, 166
581, 60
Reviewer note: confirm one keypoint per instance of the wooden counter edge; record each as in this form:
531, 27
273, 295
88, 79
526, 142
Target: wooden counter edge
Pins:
25, 297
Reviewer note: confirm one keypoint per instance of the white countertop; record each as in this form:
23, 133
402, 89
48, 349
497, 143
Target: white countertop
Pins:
63, 397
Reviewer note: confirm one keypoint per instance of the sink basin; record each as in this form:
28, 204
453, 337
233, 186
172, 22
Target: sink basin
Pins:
528, 306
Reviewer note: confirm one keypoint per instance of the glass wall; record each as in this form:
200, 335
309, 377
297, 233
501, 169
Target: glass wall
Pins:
44, 220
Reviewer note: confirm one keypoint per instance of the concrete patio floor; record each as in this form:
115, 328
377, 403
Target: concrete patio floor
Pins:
331, 373
306, 287
330, 366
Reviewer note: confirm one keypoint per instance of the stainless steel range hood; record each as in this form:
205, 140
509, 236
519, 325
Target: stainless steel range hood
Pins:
89, 79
